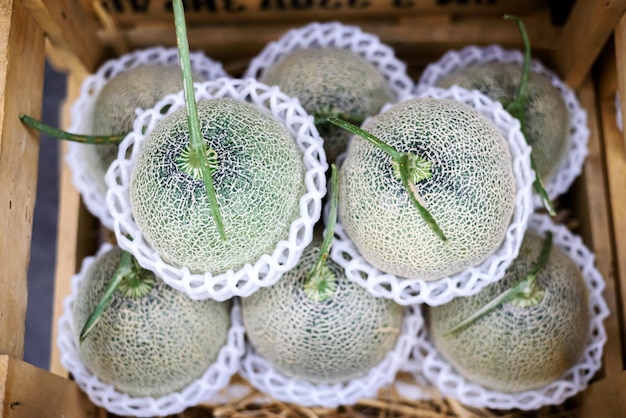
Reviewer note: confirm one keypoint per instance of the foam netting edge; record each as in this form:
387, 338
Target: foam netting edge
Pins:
262, 375
82, 110
571, 165
269, 267
430, 364
335, 34
214, 379
469, 281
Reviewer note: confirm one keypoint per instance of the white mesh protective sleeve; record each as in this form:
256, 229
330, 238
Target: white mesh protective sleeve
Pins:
571, 165
429, 363
471, 280
215, 378
81, 113
335, 34
262, 375
269, 267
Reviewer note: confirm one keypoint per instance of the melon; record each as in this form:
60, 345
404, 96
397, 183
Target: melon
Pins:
521, 344
258, 179
114, 109
328, 337
151, 345
470, 192
546, 116
331, 81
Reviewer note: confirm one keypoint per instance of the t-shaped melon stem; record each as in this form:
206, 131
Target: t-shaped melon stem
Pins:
516, 109
196, 155
526, 293
131, 280
409, 168
320, 283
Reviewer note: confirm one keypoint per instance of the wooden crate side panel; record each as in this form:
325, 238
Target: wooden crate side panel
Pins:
69, 27
589, 26
615, 160
27, 391
594, 215
133, 12
21, 87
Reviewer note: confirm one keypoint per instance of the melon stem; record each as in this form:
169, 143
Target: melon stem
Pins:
198, 148
67, 136
410, 168
321, 118
320, 283
525, 293
129, 279
516, 109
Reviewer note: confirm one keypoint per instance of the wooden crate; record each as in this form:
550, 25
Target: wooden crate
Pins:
78, 35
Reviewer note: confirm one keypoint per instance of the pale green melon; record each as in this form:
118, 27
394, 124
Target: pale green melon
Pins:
152, 345
471, 193
547, 117
330, 81
114, 111
512, 348
259, 183
327, 341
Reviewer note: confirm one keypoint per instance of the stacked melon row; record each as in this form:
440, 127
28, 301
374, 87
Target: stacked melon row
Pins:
434, 220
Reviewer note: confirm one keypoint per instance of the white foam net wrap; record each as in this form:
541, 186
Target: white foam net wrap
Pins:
571, 165
334, 34
469, 281
81, 113
429, 363
263, 376
214, 379
269, 267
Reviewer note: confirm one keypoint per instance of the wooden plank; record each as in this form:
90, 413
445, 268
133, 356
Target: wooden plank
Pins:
620, 63
237, 43
589, 26
70, 28
76, 231
606, 398
615, 160
21, 87
130, 13
593, 211
27, 391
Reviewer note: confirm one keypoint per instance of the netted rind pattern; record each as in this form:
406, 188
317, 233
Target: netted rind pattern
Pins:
81, 114
269, 267
263, 376
335, 34
571, 165
258, 182
471, 280
216, 377
449, 383
321, 341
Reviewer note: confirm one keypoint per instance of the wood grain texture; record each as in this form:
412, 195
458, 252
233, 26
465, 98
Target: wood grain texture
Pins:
21, 87
69, 27
588, 27
593, 212
27, 391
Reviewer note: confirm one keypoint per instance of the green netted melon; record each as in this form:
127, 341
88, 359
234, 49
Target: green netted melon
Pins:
259, 182
114, 111
514, 348
323, 342
330, 81
546, 114
152, 345
471, 193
